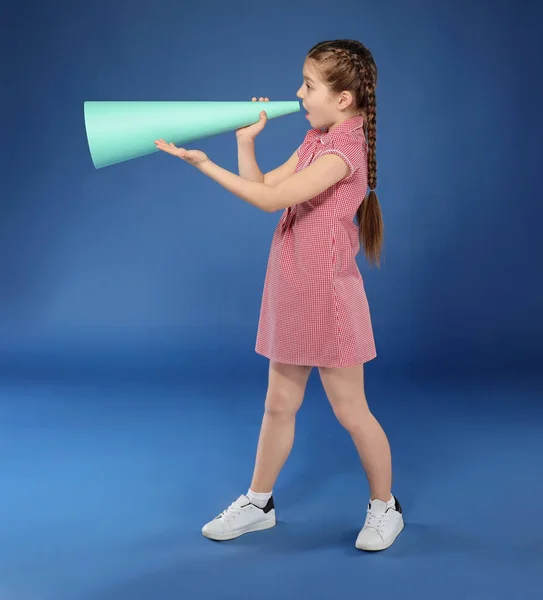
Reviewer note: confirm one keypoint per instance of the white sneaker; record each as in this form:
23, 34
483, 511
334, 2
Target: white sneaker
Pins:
384, 522
240, 517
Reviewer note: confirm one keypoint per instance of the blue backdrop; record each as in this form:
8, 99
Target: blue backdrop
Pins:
131, 395
149, 260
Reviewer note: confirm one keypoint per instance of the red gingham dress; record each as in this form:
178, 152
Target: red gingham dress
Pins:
314, 309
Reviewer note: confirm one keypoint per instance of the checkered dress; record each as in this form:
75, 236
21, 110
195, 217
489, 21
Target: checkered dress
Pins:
314, 308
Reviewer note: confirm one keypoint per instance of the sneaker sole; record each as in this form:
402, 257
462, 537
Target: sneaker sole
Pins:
384, 545
234, 534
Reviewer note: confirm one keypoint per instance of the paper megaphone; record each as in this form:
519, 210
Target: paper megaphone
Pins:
119, 131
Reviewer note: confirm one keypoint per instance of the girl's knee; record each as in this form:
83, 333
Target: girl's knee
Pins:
351, 415
345, 391
286, 389
282, 402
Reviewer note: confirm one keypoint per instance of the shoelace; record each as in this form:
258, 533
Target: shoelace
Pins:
377, 521
230, 512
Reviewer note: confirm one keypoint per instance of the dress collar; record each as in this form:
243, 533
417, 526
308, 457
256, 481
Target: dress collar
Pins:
349, 125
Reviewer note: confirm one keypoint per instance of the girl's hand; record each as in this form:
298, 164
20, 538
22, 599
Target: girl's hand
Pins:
195, 157
251, 131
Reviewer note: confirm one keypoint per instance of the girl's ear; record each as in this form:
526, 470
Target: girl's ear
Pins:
346, 99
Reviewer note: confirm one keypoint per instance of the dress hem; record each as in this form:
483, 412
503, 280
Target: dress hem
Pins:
329, 365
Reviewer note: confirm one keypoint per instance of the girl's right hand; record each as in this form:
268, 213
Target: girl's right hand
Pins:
251, 131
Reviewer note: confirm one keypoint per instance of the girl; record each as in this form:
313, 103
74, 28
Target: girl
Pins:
314, 311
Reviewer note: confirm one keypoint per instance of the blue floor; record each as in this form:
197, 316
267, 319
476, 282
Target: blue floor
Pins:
106, 485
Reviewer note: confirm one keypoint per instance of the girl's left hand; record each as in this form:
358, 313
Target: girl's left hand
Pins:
194, 157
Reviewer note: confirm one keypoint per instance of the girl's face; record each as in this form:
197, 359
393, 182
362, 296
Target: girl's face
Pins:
323, 109
316, 98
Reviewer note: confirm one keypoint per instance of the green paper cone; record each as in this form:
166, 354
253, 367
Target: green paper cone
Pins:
119, 131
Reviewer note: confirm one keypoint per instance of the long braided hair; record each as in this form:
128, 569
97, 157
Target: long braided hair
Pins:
347, 65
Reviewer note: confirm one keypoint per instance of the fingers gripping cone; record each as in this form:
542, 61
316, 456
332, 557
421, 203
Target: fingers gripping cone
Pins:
120, 131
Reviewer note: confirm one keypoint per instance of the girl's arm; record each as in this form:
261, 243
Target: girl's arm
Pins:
283, 171
248, 166
302, 186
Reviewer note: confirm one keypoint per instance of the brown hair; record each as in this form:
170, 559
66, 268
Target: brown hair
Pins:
347, 65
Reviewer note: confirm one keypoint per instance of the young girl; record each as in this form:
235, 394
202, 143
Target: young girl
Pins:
314, 310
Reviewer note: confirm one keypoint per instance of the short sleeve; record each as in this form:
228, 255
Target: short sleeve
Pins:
348, 147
